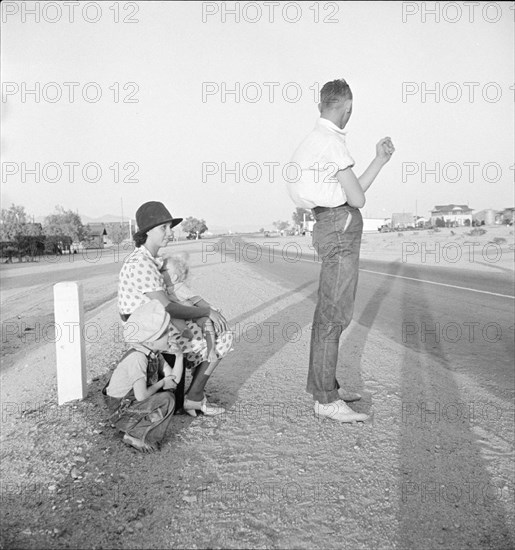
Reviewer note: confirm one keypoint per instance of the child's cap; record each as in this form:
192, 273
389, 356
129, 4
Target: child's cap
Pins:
147, 324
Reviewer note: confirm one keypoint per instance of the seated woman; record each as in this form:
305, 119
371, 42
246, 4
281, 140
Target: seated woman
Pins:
136, 393
141, 280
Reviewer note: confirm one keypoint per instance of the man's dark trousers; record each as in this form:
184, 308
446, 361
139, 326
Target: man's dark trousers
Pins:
337, 240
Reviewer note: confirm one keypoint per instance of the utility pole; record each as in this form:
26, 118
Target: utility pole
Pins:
121, 202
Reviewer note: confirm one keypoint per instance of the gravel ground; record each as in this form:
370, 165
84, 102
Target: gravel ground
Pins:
267, 474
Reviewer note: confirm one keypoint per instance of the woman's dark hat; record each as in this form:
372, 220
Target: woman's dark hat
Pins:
151, 214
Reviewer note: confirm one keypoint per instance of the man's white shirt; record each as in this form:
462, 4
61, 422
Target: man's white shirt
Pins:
318, 158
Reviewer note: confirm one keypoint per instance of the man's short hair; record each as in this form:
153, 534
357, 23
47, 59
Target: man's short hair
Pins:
334, 91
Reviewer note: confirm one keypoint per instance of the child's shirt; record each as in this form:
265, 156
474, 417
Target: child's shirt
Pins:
132, 367
313, 182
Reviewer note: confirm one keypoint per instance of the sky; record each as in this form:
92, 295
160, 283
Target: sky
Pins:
200, 105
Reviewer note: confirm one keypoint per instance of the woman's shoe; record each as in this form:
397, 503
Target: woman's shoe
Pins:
191, 407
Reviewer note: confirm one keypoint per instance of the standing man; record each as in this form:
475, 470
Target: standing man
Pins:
330, 188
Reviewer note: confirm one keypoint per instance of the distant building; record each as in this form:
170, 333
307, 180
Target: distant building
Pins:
307, 226
107, 231
98, 235
403, 220
373, 224
485, 217
452, 214
508, 215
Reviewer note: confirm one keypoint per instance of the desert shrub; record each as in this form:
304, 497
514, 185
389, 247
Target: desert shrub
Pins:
476, 232
499, 240
400, 234
436, 230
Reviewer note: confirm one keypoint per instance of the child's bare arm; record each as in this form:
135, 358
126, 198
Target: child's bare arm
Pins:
209, 328
178, 367
210, 335
173, 375
142, 392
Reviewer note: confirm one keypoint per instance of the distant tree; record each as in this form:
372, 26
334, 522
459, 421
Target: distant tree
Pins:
33, 230
467, 222
298, 216
262, 230
13, 220
117, 233
64, 223
281, 226
194, 227
439, 222
26, 237
31, 242
30, 246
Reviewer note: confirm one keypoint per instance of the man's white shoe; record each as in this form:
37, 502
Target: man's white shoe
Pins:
339, 411
348, 396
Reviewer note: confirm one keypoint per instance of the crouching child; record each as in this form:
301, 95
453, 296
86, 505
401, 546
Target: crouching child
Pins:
139, 393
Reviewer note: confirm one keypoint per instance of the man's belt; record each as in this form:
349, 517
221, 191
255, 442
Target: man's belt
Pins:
320, 209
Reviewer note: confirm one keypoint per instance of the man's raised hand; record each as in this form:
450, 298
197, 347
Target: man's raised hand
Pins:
385, 149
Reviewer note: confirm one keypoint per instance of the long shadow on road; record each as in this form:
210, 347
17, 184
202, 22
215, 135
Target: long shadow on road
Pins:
356, 337
447, 495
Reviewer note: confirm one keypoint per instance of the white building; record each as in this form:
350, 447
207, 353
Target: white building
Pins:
373, 224
455, 214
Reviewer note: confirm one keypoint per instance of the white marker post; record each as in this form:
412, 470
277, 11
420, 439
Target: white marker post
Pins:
70, 347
